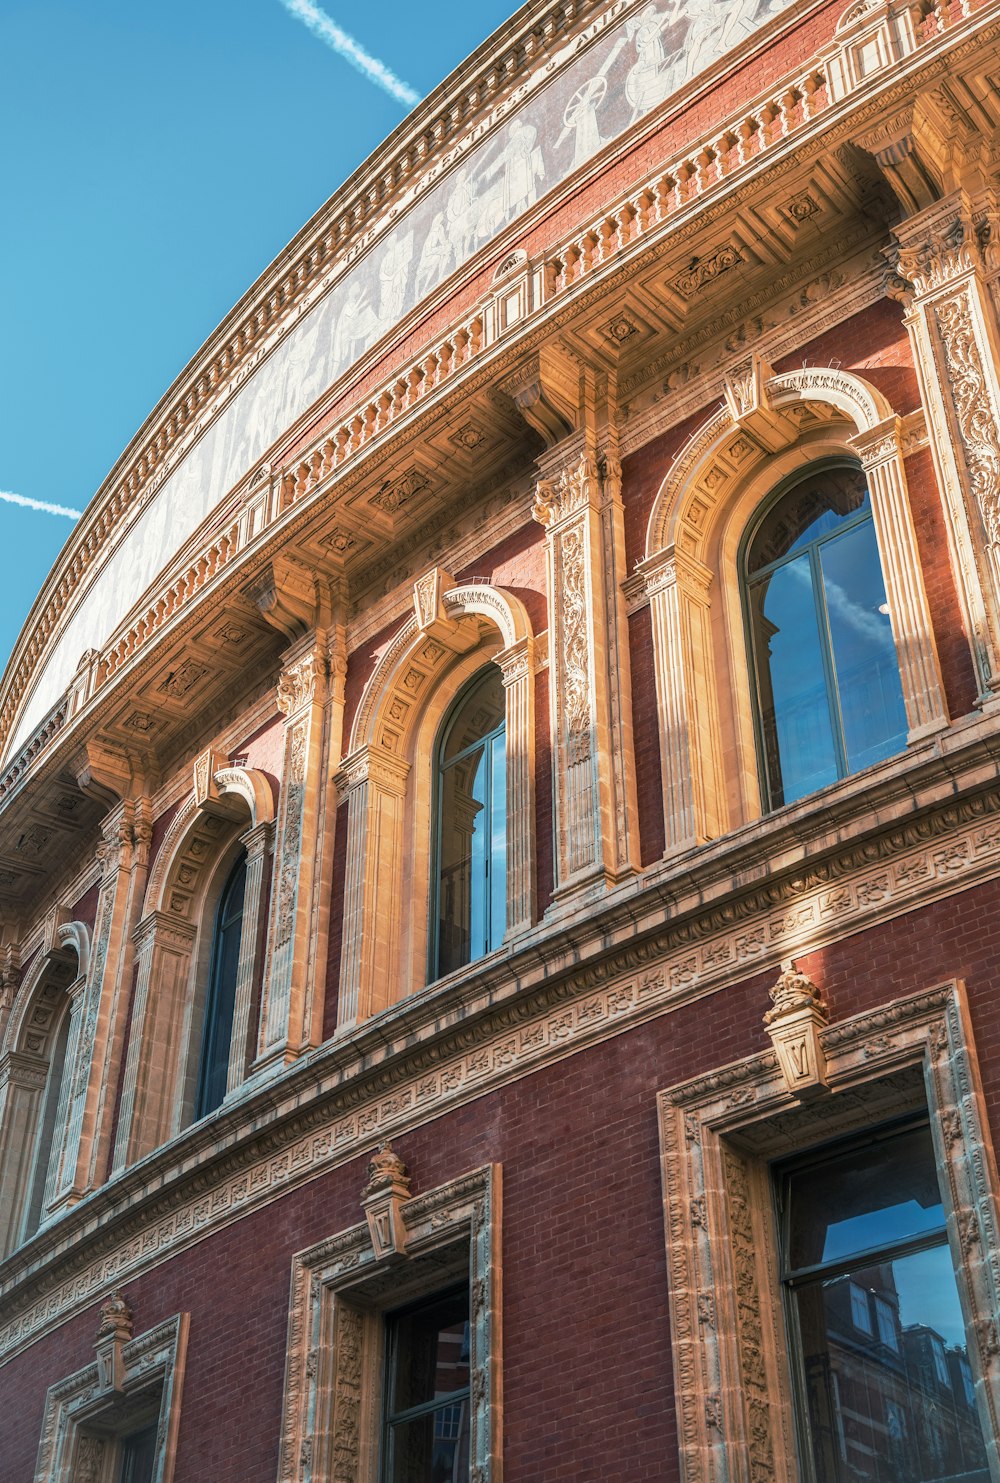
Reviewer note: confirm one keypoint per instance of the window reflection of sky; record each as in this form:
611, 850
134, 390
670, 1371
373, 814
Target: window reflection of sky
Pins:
878, 1227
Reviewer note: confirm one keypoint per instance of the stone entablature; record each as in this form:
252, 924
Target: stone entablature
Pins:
570, 984
582, 255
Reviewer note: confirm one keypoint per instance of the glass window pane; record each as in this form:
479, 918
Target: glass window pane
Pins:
139, 1457
894, 1404
498, 843
799, 747
472, 826
431, 1347
220, 1006
433, 1448
884, 1193
461, 881
812, 509
864, 653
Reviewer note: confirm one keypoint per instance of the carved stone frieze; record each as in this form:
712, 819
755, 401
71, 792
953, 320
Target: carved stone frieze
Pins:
974, 406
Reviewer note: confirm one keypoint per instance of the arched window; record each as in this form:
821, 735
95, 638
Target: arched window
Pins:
47, 1144
828, 692
470, 913
220, 1002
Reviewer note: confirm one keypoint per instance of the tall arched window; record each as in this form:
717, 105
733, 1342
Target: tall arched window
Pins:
220, 1003
470, 913
46, 1142
829, 699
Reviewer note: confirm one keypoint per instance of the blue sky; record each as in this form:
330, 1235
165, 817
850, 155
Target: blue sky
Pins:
155, 158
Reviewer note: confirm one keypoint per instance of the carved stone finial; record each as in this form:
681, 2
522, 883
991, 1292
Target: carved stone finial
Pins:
794, 1023
792, 992
386, 1173
383, 1198
117, 1320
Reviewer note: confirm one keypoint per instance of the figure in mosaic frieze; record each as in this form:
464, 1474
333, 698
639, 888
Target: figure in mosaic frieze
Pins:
435, 256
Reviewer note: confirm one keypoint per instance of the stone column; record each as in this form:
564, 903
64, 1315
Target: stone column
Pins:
909, 613
22, 1086
518, 668
618, 661
374, 783
292, 998
946, 256
258, 843
568, 505
157, 1051
92, 1073
694, 805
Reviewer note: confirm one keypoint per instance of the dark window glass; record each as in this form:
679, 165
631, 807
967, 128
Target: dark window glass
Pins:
213, 1068
471, 911
884, 1376
42, 1177
827, 679
139, 1457
426, 1435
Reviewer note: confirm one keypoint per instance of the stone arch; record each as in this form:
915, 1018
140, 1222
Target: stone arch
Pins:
48, 1002
453, 629
195, 832
229, 809
767, 428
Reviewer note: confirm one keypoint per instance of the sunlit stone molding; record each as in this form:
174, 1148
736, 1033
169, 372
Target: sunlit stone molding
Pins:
386, 779
717, 1136
590, 717
228, 809
947, 257
58, 973
768, 428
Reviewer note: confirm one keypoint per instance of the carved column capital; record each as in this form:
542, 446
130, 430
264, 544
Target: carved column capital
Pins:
937, 246
302, 680
570, 481
877, 445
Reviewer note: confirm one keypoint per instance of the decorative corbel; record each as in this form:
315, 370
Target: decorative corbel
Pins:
382, 1200
546, 390
117, 1325
745, 388
288, 595
794, 1022
107, 773
428, 595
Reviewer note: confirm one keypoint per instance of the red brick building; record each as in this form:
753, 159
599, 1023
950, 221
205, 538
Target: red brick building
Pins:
500, 815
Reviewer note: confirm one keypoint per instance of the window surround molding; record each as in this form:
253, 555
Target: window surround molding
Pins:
58, 973
340, 1289
717, 1134
227, 809
768, 429
132, 1381
386, 779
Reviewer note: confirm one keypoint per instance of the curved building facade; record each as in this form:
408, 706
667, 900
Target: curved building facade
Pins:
499, 808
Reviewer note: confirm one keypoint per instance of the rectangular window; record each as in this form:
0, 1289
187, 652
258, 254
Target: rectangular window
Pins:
426, 1431
877, 1405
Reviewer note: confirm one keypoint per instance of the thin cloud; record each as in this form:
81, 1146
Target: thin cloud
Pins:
320, 24
41, 505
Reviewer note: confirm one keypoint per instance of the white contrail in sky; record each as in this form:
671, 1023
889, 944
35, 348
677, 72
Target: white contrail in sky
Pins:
327, 30
42, 505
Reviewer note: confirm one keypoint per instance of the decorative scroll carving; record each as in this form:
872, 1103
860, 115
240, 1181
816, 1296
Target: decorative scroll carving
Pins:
346, 1438
973, 407
753, 1373
575, 648
559, 497
291, 839
298, 681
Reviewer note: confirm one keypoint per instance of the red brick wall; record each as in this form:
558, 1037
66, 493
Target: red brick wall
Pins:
587, 1372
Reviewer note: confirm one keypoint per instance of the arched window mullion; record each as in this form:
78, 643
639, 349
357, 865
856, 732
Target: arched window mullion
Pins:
828, 657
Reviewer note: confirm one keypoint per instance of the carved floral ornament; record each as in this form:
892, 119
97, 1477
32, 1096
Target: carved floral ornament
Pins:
915, 1055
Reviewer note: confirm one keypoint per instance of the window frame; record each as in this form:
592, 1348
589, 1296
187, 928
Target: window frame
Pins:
782, 489
101, 1405
720, 1135
341, 1291
434, 970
